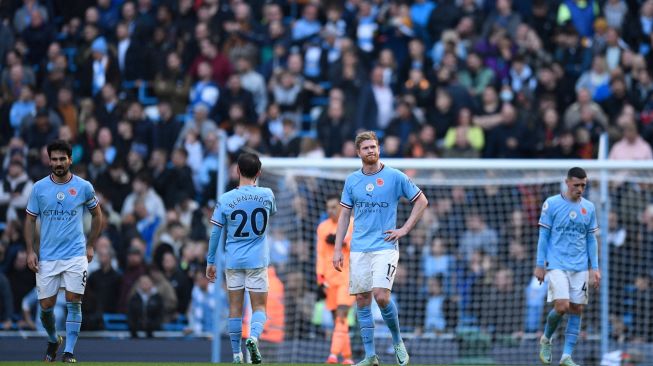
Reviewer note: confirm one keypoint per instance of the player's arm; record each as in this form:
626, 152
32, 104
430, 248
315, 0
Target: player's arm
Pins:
593, 252
341, 231
542, 247
214, 240
32, 259
419, 205
96, 228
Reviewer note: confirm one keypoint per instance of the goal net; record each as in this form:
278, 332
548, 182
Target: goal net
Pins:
464, 286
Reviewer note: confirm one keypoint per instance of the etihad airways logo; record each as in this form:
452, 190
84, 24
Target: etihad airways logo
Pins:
364, 204
60, 213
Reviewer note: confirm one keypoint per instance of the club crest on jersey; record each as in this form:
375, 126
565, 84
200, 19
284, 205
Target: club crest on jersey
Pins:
379, 182
73, 192
60, 196
545, 206
369, 187
583, 211
572, 214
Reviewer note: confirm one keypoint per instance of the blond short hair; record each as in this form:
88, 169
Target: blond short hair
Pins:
364, 136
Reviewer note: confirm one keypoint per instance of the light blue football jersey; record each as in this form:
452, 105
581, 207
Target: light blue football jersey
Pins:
60, 207
570, 223
245, 213
374, 199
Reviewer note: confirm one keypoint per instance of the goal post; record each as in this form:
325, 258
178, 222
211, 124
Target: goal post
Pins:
464, 285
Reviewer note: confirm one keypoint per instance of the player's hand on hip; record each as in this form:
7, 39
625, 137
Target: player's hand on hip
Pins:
396, 234
338, 260
539, 273
595, 278
33, 262
90, 252
210, 272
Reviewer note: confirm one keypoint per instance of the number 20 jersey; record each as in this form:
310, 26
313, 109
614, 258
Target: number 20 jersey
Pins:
245, 212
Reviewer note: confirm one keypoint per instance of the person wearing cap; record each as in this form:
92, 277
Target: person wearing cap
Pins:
99, 69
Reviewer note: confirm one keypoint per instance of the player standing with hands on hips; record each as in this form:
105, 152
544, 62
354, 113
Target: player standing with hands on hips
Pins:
245, 212
566, 245
373, 194
58, 200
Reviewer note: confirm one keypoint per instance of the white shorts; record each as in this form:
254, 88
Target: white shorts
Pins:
70, 274
368, 270
568, 285
254, 280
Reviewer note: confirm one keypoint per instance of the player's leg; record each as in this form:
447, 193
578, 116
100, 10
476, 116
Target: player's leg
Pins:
235, 280
384, 264
341, 333
579, 282
331, 303
256, 283
74, 280
47, 283
360, 284
558, 293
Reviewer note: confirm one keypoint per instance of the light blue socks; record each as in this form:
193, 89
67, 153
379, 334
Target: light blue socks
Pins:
366, 324
391, 318
235, 328
258, 322
73, 323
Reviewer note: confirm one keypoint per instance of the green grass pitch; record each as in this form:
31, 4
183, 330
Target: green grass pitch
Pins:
40, 363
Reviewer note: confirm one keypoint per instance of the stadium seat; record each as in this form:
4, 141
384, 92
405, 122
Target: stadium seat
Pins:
115, 321
178, 325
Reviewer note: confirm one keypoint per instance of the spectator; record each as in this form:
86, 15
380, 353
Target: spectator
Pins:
99, 68
632, 146
477, 235
21, 279
7, 304
179, 280
134, 269
104, 284
441, 311
14, 192
253, 82
333, 128
142, 190
145, 308
177, 181
23, 16
172, 84
204, 90
464, 140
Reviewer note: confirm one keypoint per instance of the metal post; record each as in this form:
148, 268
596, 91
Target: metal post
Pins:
223, 171
604, 260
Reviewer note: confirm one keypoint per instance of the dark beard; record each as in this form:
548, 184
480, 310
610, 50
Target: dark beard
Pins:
65, 171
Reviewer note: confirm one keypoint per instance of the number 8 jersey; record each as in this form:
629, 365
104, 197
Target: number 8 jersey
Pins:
245, 212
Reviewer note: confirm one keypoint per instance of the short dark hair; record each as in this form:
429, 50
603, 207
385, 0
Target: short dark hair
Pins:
332, 196
60, 145
576, 172
249, 165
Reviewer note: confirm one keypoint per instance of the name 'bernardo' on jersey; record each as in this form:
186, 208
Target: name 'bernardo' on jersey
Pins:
251, 197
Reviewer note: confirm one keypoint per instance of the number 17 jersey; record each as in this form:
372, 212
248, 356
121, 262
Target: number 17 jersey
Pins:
245, 212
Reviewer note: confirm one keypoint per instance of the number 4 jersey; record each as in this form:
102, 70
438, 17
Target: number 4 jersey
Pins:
245, 213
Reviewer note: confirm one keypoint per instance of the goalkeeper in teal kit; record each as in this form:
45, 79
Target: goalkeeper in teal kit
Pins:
373, 194
567, 254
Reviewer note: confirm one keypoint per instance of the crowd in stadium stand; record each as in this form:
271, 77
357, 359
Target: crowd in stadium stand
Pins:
141, 88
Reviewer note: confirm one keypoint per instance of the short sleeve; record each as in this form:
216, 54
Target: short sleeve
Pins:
218, 215
90, 200
346, 199
273, 206
546, 219
33, 204
407, 188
